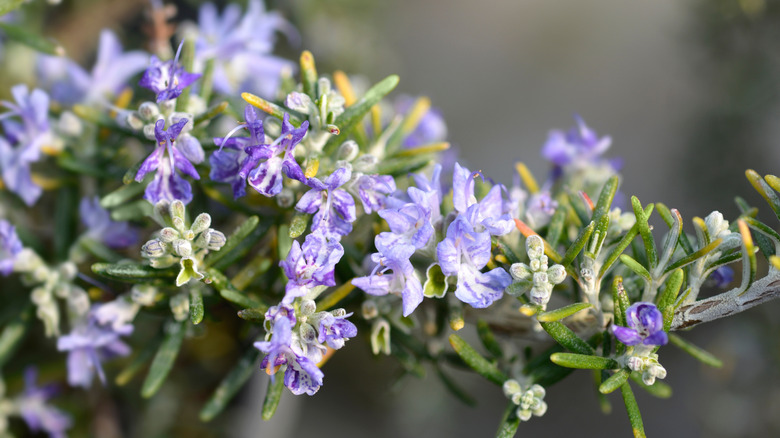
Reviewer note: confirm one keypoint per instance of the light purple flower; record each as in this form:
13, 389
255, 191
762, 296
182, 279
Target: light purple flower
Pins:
409, 224
88, 344
23, 140
302, 375
36, 412
722, 276
167, 78
10, 247
241, 47
231, 163
70, 83
579, 145
310, 265
394, 274
335, 214
266, 177
645, 326
335, 330
464, 252
492, 209
373, 191
430, 129
540, 209
167, 184
101, 228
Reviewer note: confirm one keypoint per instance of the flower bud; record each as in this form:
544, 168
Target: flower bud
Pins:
369, 309
201, 223
308, 307
534, 247
180, 306
153, 249
135, 122
285, 198
520, 271
69, 124
556, 274
148, 111
216, 240
366, 163
143, 294
167, 106
299, 102
511, 387
168, 234
177, 210
182, 248
149, 132
348, 151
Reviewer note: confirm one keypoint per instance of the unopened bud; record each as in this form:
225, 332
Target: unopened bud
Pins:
69, 124
201, 223
348, 151
149, 132
365, 163
168, 234
308, 307
153, 249
369, 309
148, 111
216, 240
534, 246
182, 248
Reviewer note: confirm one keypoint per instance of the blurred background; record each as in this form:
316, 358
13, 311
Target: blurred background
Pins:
688, 91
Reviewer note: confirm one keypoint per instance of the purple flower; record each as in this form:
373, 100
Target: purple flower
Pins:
430, 129
334, 215
722, 276
373, 191
23, 140
241, 47
433, 192
645, 325
335, 330
492, 209
464, 252
540, 209
101, 228
310, 265
394, 274
70, 84
167, 78
167, 184
10, 247
579, 145
239, 158
36, 412
409, 224
302, 375
88, 344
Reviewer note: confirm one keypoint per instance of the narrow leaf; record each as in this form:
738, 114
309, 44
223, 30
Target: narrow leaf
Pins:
624, 242
764, 190
563, 312
555, 227
164, 359
133, 273
24, 35
697, 352
196, 305
567, 338
615, 381
478, 363
690, 258
335, 297
270, 108
139, 361
576, 246
605, 198
489, 339
233, 240
353, 114
121, 195
634, 416
229, 292
272, 397
620, 300
230, 385
636, 267
13, 333
309, 74
583, 361
645, 232
509, 422
212, 112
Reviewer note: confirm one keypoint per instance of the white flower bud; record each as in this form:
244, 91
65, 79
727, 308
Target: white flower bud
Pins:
534, 247
523, 414
177, 210
180, 306
143, 294
153, 249
369, 309
135, 121
149, 132
511, 387
69, 124
308, 307
540, 408
556, 274
216, 240
168, 235
520, 271
148, 111
348, 151
201, 223
299, 102
366, 163
167, 106
182, 248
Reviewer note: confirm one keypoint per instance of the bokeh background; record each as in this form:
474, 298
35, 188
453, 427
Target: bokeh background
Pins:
688, 90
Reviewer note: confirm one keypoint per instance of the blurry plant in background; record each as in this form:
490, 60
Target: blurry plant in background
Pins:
200, 208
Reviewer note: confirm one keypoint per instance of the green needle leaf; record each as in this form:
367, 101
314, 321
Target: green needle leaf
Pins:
634, 416
196, 306
615, 381
645, 232
509, 422
272, 397
690, 258
478, 363
230, 385
563, 312
567, 338
697, 352
233, 240
164, 359
25, 36
13, 333
605, 198
583, 361
577, 245
133, 273
489, 339
636, 267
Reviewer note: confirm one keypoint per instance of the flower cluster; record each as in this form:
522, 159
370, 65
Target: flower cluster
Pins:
178, 243
541, 278
529, 401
